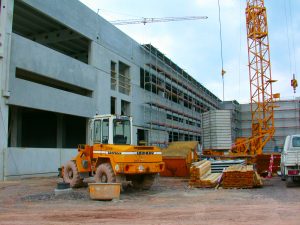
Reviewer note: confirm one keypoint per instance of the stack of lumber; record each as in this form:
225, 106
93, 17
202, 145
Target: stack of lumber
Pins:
239, 176
201, 175
257, 180
263, 162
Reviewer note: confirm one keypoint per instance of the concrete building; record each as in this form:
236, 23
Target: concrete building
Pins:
286, 121
61, 64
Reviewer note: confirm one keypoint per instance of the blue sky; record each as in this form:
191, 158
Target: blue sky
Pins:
195, 45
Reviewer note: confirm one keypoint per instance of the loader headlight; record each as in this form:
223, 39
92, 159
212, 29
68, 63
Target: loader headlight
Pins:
141, 168
117, 167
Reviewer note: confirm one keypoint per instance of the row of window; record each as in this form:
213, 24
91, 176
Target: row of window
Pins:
152, 83
175, 136
125, 106
181, 120
120, 79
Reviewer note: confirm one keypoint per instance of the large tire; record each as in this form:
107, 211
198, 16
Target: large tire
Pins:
71, 175
143, 182
105, 174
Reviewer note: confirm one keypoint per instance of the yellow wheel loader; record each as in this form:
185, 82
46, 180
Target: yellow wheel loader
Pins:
110, 156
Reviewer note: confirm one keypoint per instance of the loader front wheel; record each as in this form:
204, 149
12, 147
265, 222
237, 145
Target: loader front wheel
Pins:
105, 174
71, 175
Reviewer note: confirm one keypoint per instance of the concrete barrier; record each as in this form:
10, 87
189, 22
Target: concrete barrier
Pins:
31, 162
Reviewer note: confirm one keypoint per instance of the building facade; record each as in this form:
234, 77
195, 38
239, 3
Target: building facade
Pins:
61, 63
286, 122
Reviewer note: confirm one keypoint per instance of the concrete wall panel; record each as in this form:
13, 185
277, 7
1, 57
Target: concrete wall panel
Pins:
66, 155
32, 95
19, 161
39, 59
96, 29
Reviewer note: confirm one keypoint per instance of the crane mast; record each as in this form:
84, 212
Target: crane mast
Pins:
261, 97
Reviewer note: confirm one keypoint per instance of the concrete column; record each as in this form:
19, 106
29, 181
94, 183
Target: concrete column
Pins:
118, 106
6, 17
16, 127
60, 131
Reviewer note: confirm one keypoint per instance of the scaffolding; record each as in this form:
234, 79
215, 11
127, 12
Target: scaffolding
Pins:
173, 100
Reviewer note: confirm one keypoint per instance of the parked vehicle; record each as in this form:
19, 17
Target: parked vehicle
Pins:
111, 157
290, 159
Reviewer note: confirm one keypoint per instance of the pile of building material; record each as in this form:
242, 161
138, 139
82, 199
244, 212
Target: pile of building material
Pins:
178, 157
217, 166
263, 163
201, 175
217, 130
239, 176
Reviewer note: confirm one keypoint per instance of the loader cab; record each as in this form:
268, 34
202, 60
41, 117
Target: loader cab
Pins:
110, 129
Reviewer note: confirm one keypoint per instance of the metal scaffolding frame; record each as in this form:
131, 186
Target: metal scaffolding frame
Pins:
173, 100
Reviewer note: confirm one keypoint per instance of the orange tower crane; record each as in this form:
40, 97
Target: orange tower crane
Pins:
261, 96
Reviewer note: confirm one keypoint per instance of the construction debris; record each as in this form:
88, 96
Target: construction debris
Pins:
201, 175
178, 158
239, 176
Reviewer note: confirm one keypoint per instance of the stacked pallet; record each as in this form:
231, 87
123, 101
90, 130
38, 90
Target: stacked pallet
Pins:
239, 176
201, 175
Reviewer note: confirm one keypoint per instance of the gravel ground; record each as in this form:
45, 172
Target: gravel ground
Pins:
169, 201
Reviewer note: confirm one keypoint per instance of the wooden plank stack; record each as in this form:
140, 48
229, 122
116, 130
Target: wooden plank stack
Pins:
201, 175
239, 176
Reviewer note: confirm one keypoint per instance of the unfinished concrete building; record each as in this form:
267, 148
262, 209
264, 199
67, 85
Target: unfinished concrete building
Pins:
286, 121
61, 63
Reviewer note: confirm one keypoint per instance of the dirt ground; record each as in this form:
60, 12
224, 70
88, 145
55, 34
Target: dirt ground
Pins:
170, 201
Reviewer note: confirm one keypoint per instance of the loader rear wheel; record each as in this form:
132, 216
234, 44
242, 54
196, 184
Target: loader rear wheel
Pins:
71, 175
143, 182
105, 174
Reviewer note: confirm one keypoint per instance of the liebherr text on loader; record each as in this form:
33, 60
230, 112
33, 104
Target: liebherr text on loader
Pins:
110, 156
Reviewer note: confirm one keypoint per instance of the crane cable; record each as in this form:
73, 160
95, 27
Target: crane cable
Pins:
290, 38
293, 37
240, 48
221, 42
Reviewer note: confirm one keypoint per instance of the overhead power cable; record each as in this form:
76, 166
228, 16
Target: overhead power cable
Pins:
221, 42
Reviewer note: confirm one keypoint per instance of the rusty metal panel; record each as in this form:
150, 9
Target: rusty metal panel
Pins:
104, 191
175, 167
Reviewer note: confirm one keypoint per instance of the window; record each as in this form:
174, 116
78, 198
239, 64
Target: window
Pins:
97, 131
105, 131
125, 108
124, 78
112, 105
122, 133
296, 141
113, 76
